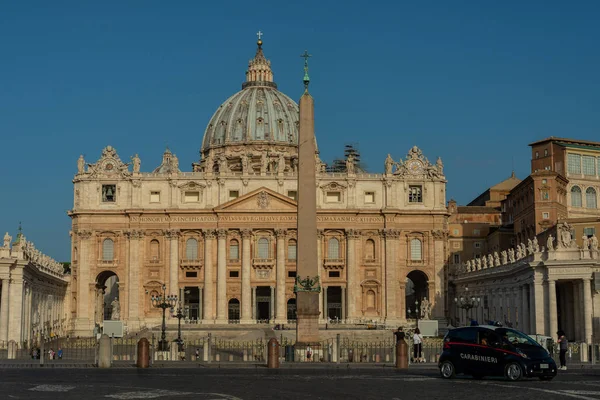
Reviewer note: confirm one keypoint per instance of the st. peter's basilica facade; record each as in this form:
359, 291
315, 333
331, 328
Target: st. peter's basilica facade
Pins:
223, 236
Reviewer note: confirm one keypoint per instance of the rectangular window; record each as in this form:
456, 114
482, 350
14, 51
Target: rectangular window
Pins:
456, 258
234, 274
545, 215
191, 274
154, 197
588, 164
477, 245
334, 274
573, 163
537, 154
334, 197
415, 194
234, 194
293, 194
456, 245
291, 274
476, 232
109, 193
369, 197
192, 197
589, 232
545, 152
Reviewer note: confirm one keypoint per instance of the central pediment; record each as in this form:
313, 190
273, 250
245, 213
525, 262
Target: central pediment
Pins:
262, 199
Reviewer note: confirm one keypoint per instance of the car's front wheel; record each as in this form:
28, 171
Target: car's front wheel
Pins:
513, 372
447, 370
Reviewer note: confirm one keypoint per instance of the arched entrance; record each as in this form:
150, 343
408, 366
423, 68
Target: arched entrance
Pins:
234, 310
291, 309
107, 301
417, 289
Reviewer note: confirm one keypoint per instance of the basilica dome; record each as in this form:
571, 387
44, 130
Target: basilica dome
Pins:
256, 117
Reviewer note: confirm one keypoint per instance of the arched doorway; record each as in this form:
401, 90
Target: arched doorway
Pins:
107, 301
291, 309
417, 289
234, 310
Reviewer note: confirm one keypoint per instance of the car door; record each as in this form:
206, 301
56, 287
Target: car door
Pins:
465, 349
492, 355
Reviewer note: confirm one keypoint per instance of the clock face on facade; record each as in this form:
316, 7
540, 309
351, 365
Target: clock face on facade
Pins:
414, 166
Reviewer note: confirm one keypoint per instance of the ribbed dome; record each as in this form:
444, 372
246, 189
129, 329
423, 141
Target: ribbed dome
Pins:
259, 113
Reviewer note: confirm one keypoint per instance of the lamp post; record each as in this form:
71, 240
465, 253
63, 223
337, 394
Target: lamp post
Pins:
163, 301
179, 315
466, 303
417, 311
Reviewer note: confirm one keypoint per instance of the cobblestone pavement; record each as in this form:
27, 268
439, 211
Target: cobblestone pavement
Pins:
247, 384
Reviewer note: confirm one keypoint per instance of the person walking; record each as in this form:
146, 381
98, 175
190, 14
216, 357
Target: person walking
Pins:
59, 353
563, 345
400, 335
417, 346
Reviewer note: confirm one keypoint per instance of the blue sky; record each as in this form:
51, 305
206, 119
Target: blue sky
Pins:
472, 82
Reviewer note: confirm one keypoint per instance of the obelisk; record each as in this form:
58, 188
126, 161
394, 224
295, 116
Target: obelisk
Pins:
308, 285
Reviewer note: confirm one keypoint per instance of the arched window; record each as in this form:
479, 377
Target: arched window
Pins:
590, 198
292, 246
191, 249
575, 196
108, 250
370, 249
263, 248
333, 249
154, 249
234, 249
416, 249
371, 299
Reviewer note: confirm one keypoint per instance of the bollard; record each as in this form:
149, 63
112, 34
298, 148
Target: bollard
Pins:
401, 355
143, 353
104, 354
273, 354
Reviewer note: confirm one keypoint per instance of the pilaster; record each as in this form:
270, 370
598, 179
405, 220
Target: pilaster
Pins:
222, 276
208, 314
587, 310
281, 306
246, 317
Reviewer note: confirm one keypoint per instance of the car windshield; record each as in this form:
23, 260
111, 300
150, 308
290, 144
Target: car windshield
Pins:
516, 338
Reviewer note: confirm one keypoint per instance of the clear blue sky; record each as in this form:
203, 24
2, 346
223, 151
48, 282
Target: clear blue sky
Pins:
471, 81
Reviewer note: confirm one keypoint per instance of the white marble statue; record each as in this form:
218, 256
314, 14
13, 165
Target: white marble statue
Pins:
81, 165
565, 235
116, 310
496, 259
519, 252
511, 255
478, 263
594, 242
484, 262
529, 246
281, 164
244, 161
468, 265
389, 164
136, 163
490, 260
7, 239
504, 257
350, 164
425, 309
536, 245
585, 242
550, 243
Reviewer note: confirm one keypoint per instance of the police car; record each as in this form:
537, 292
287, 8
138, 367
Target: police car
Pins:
487, 350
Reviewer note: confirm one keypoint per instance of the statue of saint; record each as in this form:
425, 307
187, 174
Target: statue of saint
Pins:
350, 164
116, 310
7, 239
136, 163
389, 164
504, 257
585, 242
81, 165
529, 246
425, 309
511, 255
281, 163
440, 165
594, 242
550, 243
223, 167
244, 161
536, 245
496, 259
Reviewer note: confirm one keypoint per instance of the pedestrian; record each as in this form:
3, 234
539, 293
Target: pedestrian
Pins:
59, 353
417, 346
51, 354
563, 345
34, 353
308, 353
197, 354
400, 335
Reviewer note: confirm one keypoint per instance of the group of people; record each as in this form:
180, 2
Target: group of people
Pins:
417, 343
52, 355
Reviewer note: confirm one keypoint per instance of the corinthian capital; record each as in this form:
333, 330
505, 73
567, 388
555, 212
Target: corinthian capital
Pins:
172, 233
209, 233
280, 233
246, 233
222, 233
84, 234
392, 233
352, 233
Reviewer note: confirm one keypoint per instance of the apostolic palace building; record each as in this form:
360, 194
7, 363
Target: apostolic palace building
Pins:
222, 236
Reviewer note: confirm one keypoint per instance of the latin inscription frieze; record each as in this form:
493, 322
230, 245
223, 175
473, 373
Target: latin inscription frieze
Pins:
253, 218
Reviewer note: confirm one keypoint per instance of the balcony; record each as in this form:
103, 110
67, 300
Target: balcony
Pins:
415, 262
263, 263
195, 263
334, 263
108, 263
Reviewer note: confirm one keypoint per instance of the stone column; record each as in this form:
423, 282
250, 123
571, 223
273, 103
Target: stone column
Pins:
325, 310
344, 316
208, 314
222, 277
524, 311
4, 310
280, 308
322, 311
200, 305
353, 291
134, 274
83, 282
182, 298
587, 310
552, 311
246, 317
15, 306
254, 303
173, 236
391, 275
272, 304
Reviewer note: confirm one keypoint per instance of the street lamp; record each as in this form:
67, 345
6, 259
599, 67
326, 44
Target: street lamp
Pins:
179, 315
163, 301
467, 303
417, 311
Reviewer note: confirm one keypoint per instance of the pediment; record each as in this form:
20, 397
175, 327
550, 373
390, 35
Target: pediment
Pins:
262, 199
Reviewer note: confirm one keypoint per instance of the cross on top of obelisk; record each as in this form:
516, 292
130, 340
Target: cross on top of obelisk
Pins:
306, 77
